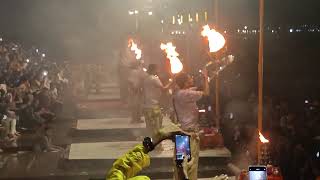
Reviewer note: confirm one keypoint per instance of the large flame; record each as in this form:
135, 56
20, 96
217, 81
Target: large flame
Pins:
172, 55
134, 47
262, 138
216, 40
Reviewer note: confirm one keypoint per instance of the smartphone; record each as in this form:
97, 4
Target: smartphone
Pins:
182, 146
257, 173
316, 149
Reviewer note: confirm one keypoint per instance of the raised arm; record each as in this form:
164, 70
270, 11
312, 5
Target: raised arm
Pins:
206, 89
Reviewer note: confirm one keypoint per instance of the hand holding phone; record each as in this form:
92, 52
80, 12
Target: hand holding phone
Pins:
257, 173
182, 147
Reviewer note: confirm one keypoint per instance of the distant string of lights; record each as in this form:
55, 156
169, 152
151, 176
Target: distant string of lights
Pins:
180, 18
247, 31
202, 17
136, 12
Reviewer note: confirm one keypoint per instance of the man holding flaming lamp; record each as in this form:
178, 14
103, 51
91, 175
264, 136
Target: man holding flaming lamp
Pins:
135, 80
153, 88
216, 43
184, 102
136, 77
185, 99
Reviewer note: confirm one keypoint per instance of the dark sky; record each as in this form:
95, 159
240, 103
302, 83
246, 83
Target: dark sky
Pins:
232, 11
293, 11
89, 28
285, 12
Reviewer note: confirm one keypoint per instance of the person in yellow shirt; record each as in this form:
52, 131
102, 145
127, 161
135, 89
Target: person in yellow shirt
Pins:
130, 164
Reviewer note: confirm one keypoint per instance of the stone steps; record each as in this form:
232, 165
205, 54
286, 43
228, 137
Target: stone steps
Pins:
106, 91
103, 97
154, 171
97, 143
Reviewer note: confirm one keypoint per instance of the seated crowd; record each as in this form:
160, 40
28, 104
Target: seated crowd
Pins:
31, 89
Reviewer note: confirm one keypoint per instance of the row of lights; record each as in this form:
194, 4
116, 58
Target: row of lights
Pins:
291, 30
178, 33
300, 30
180, 18
254, 31
245, 31
135, 12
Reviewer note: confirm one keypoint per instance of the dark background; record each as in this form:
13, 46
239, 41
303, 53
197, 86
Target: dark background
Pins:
89, 30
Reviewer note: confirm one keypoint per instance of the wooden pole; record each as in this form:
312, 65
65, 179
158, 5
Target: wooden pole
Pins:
260, 71
217, 102
216, 12
217, 82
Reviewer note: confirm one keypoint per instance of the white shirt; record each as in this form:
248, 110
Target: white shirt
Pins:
4, 87
54, 93
61, 78
186, 107
46, 82
136, 77
127, 58
152, 91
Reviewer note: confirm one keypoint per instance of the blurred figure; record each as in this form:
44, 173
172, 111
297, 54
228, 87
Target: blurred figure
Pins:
9, 134
43, 140
153, 89
135, 80
126, 58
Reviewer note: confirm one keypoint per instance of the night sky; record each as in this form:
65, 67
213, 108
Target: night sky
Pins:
231, 11
284, 12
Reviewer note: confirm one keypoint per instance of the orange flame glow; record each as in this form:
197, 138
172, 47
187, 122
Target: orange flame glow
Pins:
262, 138
216, 40
172, 55
134, 47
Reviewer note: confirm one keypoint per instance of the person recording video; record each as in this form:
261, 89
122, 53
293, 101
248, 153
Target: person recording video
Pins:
153, 89
184, 100
138, 158
130, 164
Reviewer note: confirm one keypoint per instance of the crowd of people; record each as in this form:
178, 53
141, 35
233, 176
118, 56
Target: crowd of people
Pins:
31, 89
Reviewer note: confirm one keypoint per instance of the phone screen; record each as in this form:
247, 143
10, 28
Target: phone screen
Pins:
257, 173
316, 150
182, 146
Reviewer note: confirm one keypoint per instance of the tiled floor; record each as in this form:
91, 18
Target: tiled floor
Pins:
112, 150
93, 97
107, 123
111, 123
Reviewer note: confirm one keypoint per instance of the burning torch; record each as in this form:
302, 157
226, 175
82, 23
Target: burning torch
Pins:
264, 160
216, 43
172, 55
134, 48
263, 154
216, 39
